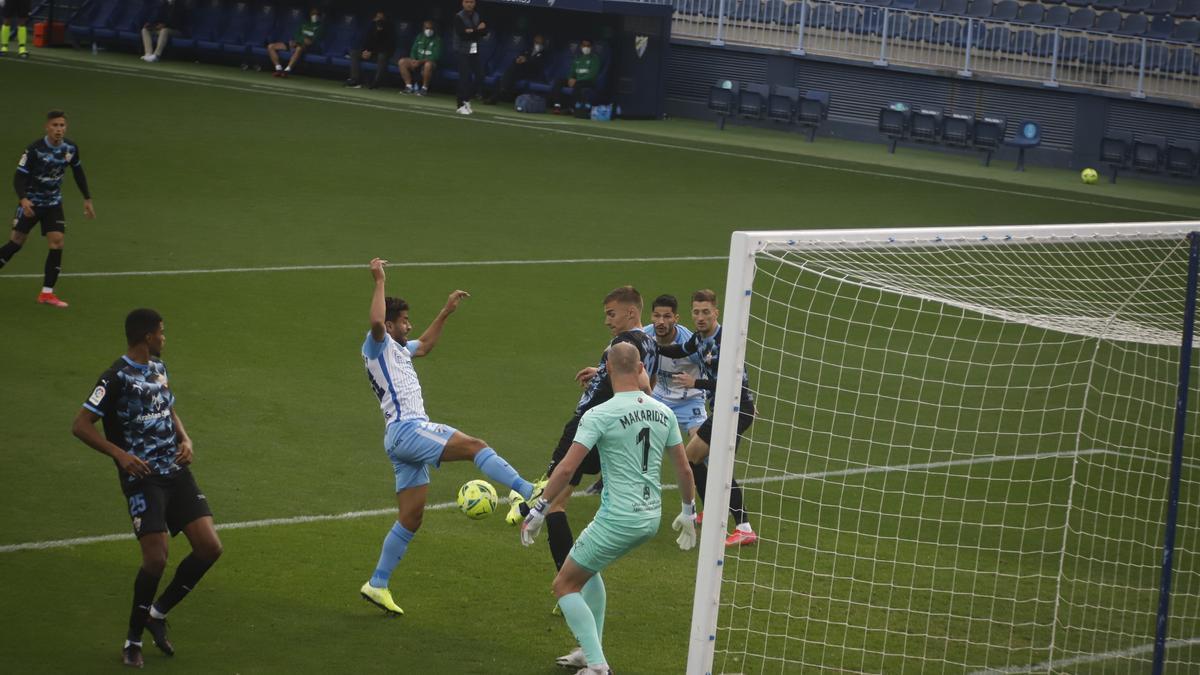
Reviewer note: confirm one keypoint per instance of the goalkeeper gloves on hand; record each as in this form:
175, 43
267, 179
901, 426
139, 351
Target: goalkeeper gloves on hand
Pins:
533, 521
685, 525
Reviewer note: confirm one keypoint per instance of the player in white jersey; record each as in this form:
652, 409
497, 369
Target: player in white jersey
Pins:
411, 440
631, 432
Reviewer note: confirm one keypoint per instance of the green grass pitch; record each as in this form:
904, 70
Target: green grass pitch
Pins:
196, 167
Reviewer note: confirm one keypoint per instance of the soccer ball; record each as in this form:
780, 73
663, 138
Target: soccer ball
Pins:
477, 499
1089, 176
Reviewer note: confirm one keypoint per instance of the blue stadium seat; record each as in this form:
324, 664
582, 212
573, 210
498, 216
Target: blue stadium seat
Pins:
1073, 48
130, 30
1181, 60
1149, 151
752, 102
894, 123
1161, 27
1116, 148
1106, 5
849, 19
1099, 52
1079, 3
989, 134
1186, 9
123, 18
1057, 16
898, 25
922, 29
782, 104
232, 31
1022, 42
1083, 19
925, 125
406, 32
1134, 25
871, 23
1029, 135
958, 7
1160, 7
1044, 46
1157, 57
980, 9
285, 30
506, 51
812, 111
1031, 12
1052, 2
1187, 31
84, 23
1183, 157
995, 39
904, 4
342, 36
260, 29
949, 32
1108, 22
1125, 55
205, 25
958, 128
821, 16
723, 100
1135, 6
1006, 10
931, 6
775, 11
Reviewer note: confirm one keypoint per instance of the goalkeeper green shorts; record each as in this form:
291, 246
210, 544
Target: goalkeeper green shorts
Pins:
603, 541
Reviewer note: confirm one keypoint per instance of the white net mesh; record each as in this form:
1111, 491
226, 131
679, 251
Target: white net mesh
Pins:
960, 459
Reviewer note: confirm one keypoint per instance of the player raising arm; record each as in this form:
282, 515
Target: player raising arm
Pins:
630, 432
411, 440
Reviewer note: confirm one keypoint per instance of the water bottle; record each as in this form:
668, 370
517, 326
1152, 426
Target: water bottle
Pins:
94, 49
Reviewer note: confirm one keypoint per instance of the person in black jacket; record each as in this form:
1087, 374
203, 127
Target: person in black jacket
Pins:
528, 65
470, 29
377, 45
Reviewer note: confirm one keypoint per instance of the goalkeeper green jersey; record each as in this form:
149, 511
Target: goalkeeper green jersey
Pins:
630, 431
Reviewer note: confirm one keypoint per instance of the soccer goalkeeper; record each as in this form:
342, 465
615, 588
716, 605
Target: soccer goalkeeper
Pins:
630, 431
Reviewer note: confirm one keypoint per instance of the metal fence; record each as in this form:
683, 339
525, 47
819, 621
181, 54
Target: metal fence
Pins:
957, 44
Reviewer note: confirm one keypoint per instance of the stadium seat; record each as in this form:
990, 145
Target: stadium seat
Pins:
1099, 52
260, 29
406, 32
1187, 31
80, 25
1115, 150
1029, 135
821, 16
847, 19
1135, 6
1057, 16
904, 4
1180, 60
925, 125
1160, 7
898, 26
1044, 46
1079, 3
958, 7
283, 31
871, 22
752, 102
205, 25
1161, 27
1031, 12
1183, 157
1083, 19
507, 50
123, 18
958, 128
723, 100
1134, 25
1125, 55
980, 9
1022, 42
948, 32
989, 134
812, 111
1106, 5
341, 37
782, 105
894, 123
129, 24
1074, 48
1052, 2
1186, 9
929, 6
922, 29
1108, 22
996, 38
1006, 10
1157, 57
1149, 151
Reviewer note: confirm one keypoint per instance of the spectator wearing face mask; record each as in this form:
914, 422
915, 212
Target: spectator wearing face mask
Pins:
306, 38
585, 68
528, 65
470, 29
377, 45
426, 50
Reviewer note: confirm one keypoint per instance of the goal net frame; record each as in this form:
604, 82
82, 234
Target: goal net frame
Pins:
745, 246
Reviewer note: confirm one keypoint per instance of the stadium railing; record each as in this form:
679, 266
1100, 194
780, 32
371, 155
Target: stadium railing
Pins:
1061, 48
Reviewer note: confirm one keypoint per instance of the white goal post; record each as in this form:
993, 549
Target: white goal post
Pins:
972, 451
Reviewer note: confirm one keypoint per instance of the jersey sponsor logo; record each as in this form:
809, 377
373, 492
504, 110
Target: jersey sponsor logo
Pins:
97, 395
67, 157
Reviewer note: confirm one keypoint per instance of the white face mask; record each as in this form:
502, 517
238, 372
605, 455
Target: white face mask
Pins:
315, 18
585, 50
538, 48
428, 32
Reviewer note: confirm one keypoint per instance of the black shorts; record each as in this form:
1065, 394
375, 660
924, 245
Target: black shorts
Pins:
51, 218
16, 9
745, 419
164, 503
591, 462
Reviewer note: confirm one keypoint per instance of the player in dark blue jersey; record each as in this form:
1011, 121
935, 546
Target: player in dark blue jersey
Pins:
706, 343
623, 317
38, 184
153, 452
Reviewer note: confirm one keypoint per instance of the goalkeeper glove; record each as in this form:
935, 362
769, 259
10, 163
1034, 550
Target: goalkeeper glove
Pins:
533, 521
685, 525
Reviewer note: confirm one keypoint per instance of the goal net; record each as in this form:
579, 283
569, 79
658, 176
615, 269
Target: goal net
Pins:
961, 457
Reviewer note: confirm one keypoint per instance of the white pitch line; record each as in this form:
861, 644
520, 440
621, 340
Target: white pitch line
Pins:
1052, 665
432, 263
496, 120
352, 515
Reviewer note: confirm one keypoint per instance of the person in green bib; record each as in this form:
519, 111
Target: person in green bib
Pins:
426, 50
308, 37
631, 431
585, 70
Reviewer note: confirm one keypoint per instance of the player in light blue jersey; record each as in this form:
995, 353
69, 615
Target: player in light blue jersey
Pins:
686, 402
630, 431
411, 440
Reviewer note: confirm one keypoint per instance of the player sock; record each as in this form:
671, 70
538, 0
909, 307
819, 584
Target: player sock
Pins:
5, 34
735, 503
187, 575
394, 546
143, 595
7, 251
22, 33
53, 267
579, 617
596, 599
558, 534
278, 67
700, 473
493, 466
